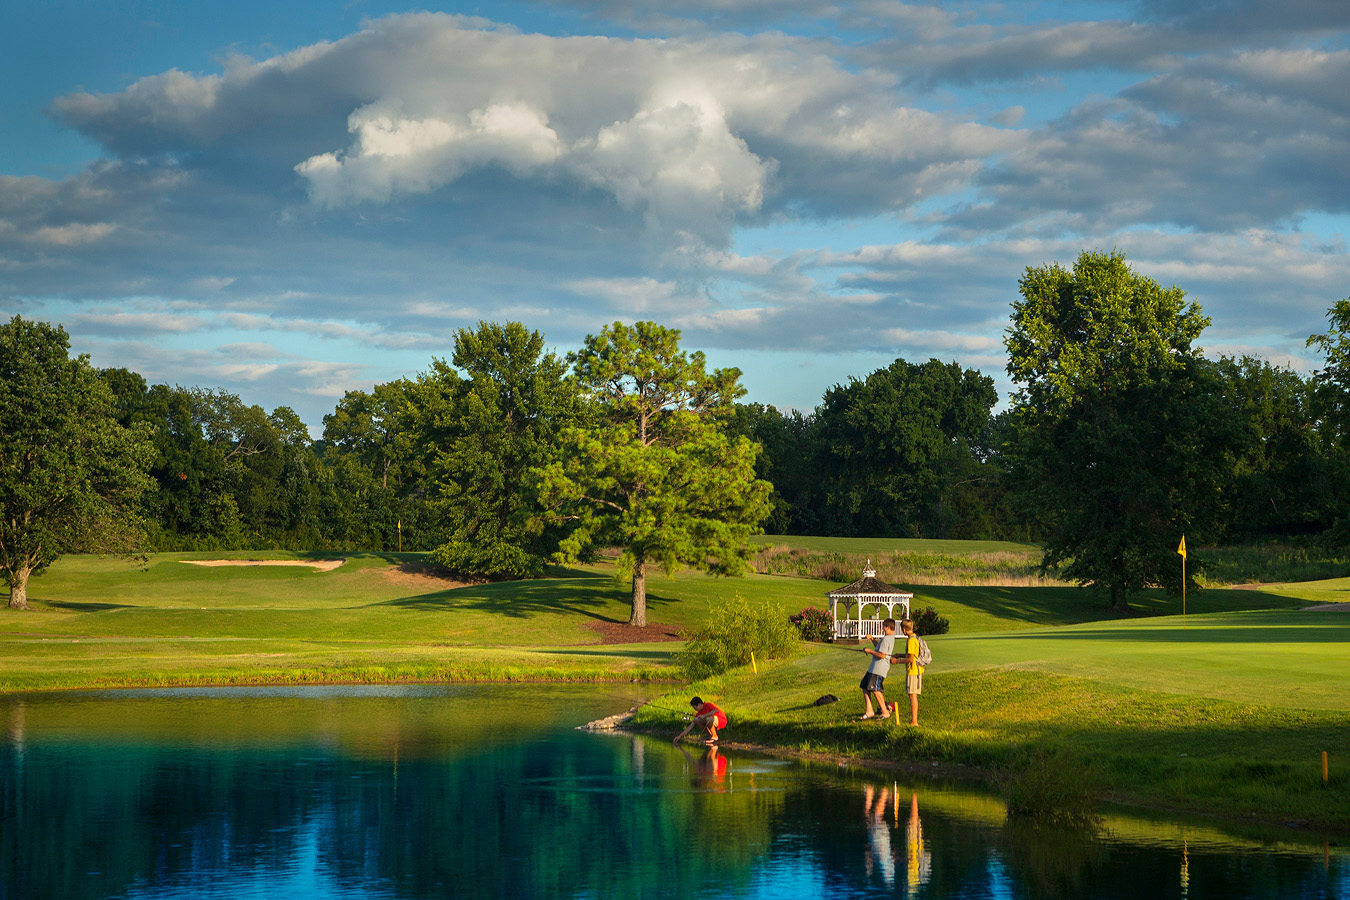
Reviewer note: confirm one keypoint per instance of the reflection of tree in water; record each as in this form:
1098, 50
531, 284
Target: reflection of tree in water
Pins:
1052, 862
532, 820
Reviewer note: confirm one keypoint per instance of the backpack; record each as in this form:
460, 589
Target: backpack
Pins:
925, 655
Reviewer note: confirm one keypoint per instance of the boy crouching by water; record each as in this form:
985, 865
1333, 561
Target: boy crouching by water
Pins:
873, 682
706, 716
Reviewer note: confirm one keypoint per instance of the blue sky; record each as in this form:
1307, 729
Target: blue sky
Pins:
294, 201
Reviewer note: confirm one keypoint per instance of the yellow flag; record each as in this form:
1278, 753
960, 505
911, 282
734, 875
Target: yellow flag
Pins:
1182, 548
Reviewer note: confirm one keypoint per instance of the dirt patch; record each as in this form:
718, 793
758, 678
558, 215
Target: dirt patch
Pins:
622, 633
1328, 607
323, 565
419, 578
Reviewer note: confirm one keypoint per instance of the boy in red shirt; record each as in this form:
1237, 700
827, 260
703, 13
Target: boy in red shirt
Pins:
706, 716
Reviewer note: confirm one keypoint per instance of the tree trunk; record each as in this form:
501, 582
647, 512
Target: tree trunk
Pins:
639, 616
18, 591
1119, 602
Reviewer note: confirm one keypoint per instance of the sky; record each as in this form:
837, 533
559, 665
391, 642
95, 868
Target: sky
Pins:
291, 201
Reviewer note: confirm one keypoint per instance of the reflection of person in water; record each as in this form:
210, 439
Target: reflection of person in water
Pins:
710, 772
879, 852
918, 861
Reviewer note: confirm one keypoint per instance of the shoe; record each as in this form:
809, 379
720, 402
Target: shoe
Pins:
868, 716
886, 714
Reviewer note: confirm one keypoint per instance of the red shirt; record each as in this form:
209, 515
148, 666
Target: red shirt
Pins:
708, 708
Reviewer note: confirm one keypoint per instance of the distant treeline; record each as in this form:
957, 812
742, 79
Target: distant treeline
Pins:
911, 450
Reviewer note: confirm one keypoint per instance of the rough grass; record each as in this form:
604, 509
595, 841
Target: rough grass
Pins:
1271, 563
904, 562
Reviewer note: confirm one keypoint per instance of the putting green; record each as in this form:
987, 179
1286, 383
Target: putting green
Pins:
1282, 658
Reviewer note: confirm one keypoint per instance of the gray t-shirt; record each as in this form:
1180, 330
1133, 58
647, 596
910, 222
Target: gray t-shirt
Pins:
880, 667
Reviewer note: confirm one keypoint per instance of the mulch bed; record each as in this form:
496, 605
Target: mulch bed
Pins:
612, 632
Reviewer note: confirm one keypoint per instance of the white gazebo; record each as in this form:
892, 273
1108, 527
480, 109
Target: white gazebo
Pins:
866, 591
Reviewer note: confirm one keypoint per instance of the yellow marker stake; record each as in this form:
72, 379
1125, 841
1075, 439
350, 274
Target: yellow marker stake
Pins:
1182, 550
1324, 768
752, 662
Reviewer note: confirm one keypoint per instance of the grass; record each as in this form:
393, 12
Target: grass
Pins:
1234, 756
1225, 711
903, 561
1271, 563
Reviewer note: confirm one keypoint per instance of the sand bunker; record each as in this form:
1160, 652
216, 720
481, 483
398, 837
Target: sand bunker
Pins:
1328, 607
323, 565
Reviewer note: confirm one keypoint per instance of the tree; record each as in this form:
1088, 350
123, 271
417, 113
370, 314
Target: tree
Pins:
499, 422
1119, 431
376, 459
657, 475
1282, 482
787, 459
903, 451
70, 474
1333, 379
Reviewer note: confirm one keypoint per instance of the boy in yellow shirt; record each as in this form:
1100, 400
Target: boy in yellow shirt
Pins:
913, 671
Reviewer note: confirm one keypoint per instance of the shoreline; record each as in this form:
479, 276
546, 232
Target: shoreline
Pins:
989, 778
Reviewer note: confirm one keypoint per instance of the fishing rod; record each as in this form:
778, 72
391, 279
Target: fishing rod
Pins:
647, 703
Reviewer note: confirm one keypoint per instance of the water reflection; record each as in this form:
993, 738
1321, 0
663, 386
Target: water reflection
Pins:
486, 791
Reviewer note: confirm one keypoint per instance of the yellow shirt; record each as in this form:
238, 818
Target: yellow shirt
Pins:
912, 666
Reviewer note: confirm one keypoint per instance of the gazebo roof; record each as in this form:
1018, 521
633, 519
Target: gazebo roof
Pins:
868, 586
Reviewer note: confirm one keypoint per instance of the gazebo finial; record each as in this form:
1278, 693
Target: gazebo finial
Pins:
869, 572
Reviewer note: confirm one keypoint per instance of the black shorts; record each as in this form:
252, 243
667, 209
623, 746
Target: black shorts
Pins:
872, 682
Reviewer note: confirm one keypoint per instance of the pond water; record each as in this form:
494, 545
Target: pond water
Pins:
487, 791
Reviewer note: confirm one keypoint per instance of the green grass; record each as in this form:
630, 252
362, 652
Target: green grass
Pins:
1225, 711
1233, 752
1269, 563
892, 545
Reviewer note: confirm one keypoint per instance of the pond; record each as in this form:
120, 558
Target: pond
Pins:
488, 791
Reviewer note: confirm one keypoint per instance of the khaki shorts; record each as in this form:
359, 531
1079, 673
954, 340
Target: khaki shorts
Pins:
914, 684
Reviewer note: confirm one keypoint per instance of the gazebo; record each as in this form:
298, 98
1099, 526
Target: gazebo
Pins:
866, 591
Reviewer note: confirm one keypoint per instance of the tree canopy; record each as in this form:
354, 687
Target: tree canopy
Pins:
70, 474
501, 421
1117, 436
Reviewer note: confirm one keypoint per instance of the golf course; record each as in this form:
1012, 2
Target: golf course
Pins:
1226, 710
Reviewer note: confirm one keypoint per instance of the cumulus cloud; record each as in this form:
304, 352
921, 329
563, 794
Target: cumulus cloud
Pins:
692, 135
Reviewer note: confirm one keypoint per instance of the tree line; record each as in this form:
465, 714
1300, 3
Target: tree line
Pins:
1119, 437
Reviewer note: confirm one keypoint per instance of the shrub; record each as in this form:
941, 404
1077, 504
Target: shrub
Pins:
733, 630
814, 624
495, 561
927, 622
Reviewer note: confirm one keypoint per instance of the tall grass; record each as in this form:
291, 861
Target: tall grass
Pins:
1002, 568
1272, 563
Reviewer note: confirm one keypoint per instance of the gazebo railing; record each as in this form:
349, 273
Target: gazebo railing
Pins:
855, 629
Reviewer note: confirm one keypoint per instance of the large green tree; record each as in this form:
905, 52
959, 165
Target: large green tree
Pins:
657, 474
904, 450
1119, 432
70, 474
500, 418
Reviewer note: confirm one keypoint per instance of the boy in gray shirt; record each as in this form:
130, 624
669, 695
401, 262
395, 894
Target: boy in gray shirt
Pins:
872, 683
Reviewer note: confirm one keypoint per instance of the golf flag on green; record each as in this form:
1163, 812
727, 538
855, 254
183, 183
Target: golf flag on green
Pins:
1182, 548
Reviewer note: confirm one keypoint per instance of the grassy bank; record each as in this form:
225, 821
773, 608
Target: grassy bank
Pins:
1225, 711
